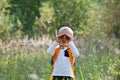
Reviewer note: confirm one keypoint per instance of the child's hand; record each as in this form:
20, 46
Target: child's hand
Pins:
71, 39
57, 39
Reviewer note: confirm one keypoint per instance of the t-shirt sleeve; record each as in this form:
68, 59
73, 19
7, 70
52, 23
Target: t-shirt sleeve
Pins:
75, 51
52, 47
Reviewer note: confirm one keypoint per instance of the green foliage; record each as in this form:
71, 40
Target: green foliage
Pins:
98, 60
97, 66
70, 13
88, 18
112, 17
44, 24
115, 67
90, 67
25, 12
55, 14
22, 66
4, 19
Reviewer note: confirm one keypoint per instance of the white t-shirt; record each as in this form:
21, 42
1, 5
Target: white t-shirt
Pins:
62, 65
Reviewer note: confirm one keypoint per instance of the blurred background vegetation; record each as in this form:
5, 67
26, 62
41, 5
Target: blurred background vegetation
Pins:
88, 18
30, 26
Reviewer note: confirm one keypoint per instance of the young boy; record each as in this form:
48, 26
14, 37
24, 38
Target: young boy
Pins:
63, 52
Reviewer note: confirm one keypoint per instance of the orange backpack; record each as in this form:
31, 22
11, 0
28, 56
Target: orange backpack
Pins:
54, 57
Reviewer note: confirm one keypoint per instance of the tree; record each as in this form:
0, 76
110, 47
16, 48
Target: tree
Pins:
72, 13
25, 13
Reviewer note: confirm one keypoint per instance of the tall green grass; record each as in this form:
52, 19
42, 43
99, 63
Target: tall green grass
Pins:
91, 67
23, 65
94, 63
96, 67
97, 62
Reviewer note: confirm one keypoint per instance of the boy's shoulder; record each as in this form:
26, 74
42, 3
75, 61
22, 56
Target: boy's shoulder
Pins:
58, 46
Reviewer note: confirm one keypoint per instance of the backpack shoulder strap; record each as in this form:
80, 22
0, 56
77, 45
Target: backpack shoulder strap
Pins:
72, 59
54, 57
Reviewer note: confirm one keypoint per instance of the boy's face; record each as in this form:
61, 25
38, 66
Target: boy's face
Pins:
63, 40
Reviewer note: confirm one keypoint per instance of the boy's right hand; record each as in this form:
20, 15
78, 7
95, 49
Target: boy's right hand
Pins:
57, 39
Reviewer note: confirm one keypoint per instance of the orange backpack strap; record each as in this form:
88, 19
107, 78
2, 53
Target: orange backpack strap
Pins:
72, 59
54, 57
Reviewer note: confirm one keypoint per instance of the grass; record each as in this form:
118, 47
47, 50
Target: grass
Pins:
22, 66
91, 65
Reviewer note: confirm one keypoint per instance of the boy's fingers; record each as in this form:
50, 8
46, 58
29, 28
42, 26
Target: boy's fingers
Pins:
57, 39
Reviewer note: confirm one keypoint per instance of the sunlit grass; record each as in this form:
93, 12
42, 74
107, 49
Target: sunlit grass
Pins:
22, 66
92, 64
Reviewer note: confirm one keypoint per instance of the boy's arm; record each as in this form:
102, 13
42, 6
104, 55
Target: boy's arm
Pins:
52, 47
75, 51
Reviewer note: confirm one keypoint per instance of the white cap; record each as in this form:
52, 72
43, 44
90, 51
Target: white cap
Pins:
65, 30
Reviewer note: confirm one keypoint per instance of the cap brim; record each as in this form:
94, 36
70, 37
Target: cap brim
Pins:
65, 34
